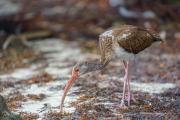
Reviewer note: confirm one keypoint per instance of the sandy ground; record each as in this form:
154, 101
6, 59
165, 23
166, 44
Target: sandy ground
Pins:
35, 91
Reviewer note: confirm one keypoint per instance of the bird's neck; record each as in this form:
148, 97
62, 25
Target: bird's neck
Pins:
96, 65
103, 65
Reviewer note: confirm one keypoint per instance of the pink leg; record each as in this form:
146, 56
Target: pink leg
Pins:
126, 67
130, 96
126, 82
122, 105
129, 89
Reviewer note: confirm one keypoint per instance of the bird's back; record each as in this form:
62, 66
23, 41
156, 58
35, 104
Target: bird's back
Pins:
134, 39
130, 38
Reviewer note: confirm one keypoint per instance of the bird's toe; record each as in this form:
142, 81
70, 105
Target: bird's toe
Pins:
120, 106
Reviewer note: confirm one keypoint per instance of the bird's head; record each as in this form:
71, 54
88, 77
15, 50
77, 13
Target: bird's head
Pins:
78, 70
82, 68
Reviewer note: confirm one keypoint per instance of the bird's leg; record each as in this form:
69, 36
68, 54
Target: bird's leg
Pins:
126, 82
124, 63
127, 72
122, 105
128, 85
125, 67
130, 96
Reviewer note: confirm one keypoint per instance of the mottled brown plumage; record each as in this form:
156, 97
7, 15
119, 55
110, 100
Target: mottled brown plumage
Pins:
130, 38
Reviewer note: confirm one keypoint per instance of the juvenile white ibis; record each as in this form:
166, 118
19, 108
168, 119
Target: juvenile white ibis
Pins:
124, 42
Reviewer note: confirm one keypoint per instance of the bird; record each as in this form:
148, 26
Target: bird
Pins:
124, 42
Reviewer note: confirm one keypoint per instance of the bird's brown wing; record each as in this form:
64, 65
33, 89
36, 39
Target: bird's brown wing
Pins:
106, 50
135, 40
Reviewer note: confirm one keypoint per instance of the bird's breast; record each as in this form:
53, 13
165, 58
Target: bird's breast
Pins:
122, 54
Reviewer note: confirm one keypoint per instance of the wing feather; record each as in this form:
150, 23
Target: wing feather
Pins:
136, 39
106, 50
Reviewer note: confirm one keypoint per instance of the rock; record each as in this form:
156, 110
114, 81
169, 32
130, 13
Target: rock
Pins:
5, 114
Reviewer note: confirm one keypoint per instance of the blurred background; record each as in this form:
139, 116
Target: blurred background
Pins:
85, 19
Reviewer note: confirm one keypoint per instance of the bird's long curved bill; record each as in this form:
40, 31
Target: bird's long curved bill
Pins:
66, 89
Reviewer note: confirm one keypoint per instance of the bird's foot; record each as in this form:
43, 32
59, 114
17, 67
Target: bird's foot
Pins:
61, 110
121, 106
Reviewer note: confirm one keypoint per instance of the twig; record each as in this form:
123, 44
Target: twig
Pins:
8, 41
25, 36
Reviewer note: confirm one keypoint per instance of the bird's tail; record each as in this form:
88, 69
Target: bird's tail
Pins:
156, 36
